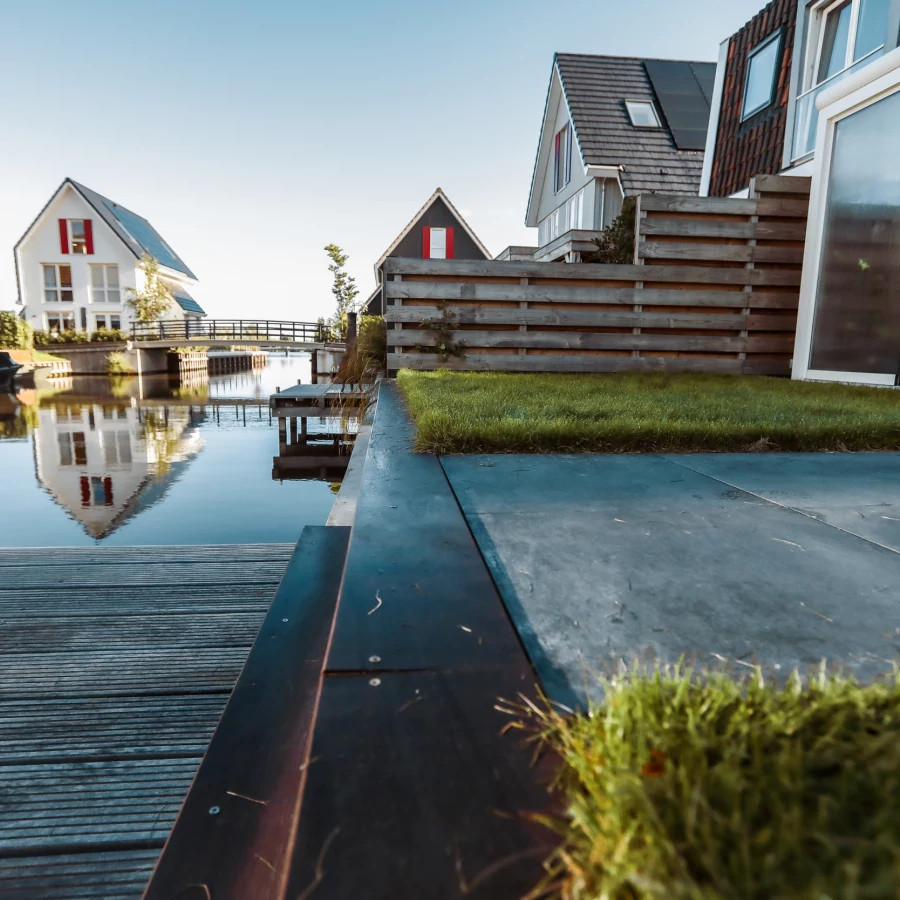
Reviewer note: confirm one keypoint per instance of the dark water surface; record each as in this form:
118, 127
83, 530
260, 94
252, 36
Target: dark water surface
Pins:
91, 460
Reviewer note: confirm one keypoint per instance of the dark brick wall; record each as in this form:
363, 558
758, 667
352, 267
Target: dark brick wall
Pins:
754, 147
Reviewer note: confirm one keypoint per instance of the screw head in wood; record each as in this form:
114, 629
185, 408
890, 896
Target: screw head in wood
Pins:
374, 682
214, 810
374, 659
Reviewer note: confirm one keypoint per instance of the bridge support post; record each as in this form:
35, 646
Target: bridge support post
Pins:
282, 435
314, 366
351, 329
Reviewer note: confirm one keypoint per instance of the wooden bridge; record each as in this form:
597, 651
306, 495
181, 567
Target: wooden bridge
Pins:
227, 332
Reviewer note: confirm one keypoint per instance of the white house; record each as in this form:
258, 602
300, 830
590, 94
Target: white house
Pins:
613, 127
77, 259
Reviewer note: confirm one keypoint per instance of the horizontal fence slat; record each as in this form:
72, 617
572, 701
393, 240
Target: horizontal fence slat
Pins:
476, 292
721, 252
467, 268
781, 184
565, 340
478, 315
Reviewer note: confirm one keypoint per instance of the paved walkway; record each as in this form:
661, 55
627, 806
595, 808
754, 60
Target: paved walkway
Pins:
777, 559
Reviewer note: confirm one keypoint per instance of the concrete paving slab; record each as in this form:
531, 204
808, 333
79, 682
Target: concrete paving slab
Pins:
643, 556
859, 492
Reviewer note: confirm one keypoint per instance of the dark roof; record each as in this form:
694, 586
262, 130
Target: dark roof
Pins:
184, 299
136, 232
596, 88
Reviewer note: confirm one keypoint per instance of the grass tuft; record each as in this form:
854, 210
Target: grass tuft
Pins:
687, 786
473, 412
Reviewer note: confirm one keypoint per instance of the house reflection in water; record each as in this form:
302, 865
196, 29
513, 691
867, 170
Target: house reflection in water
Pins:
107, 462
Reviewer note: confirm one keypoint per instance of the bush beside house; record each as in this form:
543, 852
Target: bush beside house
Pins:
15, 334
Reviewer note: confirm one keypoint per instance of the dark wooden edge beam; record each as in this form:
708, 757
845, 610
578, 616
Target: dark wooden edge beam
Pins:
234, 834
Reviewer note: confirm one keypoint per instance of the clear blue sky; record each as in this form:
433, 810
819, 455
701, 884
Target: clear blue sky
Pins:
251, 134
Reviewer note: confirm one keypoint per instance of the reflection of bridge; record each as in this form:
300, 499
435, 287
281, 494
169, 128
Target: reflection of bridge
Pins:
227, 332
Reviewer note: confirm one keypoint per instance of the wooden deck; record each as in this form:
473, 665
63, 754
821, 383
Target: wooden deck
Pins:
115, 666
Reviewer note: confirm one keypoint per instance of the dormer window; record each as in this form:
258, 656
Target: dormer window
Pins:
642, 114
76, 236
437, 243
762, 71
562, 158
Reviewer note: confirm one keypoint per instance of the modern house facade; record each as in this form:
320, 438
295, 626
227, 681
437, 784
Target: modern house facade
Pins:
813, 89
79, 257
613, 127
437, 231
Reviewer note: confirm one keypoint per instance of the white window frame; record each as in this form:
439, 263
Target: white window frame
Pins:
648, 103
876, 83
107, 318
71, 236
565, 152
431, 244
818, 14
105, 290
775, 38
70, 313
58, 290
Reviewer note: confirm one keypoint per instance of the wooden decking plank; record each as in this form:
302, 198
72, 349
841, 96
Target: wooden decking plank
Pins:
100, 575
152, 555
116, 673
117, 875
126, 600
64, 633
50, 730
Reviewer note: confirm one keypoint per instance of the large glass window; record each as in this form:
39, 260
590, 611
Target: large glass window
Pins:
857, 318
58, 284
872, 27
835, 40
762, 72
57, 322
105, 284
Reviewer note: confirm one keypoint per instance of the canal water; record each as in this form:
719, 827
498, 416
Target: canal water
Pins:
89, 460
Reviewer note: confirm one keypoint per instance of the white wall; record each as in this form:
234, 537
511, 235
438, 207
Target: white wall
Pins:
42, 247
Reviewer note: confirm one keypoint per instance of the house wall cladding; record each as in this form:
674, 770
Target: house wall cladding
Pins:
756, 146
717, 290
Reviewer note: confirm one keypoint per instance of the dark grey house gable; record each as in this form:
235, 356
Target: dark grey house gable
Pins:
437, 215
419, 240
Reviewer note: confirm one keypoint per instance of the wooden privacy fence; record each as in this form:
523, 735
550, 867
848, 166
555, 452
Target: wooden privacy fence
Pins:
716, 290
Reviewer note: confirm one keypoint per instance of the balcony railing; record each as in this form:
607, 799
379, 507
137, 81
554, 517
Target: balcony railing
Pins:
806, 114
236, 330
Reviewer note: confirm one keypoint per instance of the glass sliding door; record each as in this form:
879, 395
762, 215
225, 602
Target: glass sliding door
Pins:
856, 326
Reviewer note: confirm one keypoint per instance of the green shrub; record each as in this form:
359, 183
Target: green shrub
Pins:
117, 364
69, 336
616, 245
108, 335
15, 333
41, 338
366, 358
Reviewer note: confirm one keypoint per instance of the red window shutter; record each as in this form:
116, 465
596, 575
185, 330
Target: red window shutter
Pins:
85, 491
107, 492
63, 236
426, 243
450, 243
88, 236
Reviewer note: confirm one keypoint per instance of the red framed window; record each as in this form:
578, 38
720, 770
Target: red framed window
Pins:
76, 236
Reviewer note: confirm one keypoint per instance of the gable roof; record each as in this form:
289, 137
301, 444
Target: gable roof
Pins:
438, 194
138, 235
595, 89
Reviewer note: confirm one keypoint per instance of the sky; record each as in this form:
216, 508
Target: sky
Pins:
252, 134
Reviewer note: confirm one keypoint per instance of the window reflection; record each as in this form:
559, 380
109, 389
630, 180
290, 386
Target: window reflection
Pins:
857, 321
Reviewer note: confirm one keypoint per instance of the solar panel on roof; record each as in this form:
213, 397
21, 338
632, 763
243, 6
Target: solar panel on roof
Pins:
144, 233
684, 101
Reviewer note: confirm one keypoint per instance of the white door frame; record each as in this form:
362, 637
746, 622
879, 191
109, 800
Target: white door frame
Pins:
876, 81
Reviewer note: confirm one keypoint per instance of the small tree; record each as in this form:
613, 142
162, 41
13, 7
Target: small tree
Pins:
344, 289
151, 302
616, 245
15, 333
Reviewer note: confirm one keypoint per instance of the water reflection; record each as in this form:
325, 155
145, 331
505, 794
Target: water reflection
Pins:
106, 462
165, 461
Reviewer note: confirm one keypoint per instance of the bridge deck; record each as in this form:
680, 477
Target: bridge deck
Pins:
115, 665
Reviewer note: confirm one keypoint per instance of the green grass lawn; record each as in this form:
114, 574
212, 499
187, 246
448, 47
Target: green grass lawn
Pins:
682, 786
457, 412
44, 356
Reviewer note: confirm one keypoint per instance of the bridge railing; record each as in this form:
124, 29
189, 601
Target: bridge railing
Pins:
237, 330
